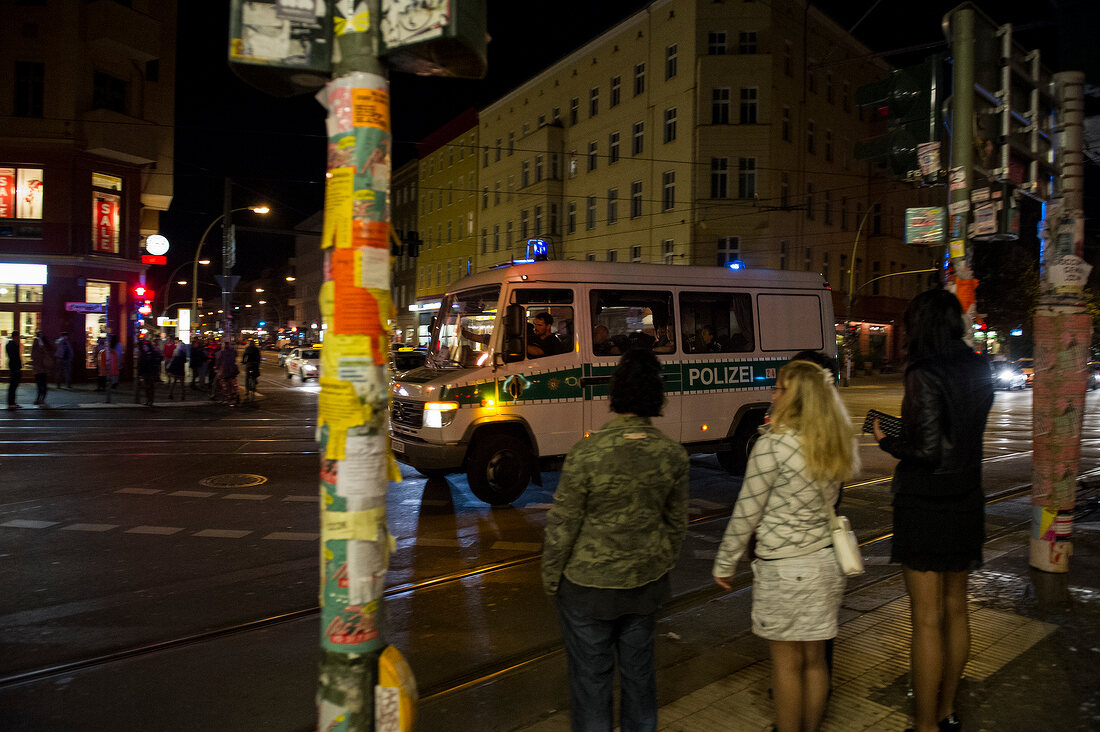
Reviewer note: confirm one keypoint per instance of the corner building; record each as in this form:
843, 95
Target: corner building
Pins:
86, 138
702, 132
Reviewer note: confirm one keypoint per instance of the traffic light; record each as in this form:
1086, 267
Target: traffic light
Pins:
143, 305
909, 100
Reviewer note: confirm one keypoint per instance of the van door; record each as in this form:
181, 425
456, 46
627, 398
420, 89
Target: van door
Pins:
543, 389
622, 319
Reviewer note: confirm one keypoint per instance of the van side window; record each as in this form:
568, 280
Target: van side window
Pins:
549, 322
716, 322
625, 319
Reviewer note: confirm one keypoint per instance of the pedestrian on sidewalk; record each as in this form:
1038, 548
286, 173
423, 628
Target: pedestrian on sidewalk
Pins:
148, 368
63, 352
198, 363
612, 536
176, 370
793, 476
42, 363
939, 505
109, 361
13, 349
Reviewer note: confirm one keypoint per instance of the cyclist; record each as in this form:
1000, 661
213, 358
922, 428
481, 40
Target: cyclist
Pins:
251, 362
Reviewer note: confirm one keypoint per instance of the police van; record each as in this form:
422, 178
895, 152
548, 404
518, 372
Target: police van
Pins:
520, 361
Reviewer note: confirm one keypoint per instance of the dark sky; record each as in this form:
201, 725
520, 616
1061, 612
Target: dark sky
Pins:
274, 148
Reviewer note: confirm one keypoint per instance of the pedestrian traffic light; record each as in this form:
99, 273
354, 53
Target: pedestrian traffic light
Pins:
909, 101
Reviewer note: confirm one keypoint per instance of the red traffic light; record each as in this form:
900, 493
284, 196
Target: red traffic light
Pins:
143, 292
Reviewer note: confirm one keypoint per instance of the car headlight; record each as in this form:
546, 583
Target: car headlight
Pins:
1005, 376
310, 368
439, 414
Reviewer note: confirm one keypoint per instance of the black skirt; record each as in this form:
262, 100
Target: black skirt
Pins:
938, 534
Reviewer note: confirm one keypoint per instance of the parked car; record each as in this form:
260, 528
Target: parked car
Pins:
1008, 376
1027, 365
406, 358
305, 363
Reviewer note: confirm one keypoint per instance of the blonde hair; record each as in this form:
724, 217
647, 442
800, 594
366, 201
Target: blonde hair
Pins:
811, 407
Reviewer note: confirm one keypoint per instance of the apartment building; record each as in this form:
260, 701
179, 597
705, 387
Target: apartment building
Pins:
403, 210
86, 140
702, 132
447, 181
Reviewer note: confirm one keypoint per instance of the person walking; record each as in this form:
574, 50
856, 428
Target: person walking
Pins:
148, 368
63, 352
198, 361
792, 478
939, 506
612, 536
13, 349
177, 369
225, 372
42, 363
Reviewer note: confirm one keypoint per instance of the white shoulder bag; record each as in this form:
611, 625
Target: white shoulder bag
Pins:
845, 544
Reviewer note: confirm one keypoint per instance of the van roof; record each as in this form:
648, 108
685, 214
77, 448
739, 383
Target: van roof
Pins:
619, 273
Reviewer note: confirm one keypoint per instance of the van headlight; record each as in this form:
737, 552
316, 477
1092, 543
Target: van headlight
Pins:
439, 414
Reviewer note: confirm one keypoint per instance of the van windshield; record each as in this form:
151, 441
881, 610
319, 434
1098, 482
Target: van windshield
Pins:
464, 328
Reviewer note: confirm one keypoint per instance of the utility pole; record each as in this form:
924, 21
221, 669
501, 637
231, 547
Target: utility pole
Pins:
229, 255
1063, 334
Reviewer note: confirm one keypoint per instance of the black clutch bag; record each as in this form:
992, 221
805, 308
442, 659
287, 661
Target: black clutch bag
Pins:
888, 423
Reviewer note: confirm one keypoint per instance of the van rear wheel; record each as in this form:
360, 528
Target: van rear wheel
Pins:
499, 468
735, 460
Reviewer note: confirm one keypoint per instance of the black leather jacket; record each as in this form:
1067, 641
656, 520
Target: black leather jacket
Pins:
943, 413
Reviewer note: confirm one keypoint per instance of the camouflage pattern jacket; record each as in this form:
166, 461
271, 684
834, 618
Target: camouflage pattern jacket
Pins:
620, 510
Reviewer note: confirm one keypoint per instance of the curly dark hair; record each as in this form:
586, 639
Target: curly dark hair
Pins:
933, 324
637, 386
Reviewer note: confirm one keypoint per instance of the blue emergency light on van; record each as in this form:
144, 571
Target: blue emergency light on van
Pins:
537, 250
736, 264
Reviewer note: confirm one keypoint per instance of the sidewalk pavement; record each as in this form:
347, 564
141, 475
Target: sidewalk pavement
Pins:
85, 396
1034, 650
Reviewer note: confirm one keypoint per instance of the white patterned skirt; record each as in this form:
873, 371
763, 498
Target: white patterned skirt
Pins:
797, 598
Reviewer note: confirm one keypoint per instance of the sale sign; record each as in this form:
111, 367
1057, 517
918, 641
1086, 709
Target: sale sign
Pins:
7, 193
105, 208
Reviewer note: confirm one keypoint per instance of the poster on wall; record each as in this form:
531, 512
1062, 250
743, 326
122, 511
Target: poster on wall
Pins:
105, 222
7, 193
28, 202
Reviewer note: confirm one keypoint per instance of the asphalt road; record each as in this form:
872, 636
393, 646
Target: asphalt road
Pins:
124, 529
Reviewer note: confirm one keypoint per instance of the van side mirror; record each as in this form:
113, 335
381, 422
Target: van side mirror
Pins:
515, 328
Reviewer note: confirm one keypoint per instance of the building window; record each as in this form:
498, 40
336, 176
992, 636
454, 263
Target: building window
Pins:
668, 190
720, 106
670, 62
496, 193
590, 213
668, 250
592, 155
574, 110
719, 182
876, 219
450, 233
828, 214
635, 254
787, 58
525, 174
639, 79
670, 124
484, 198
571, 217
808, 259
485, 158
875, 269
810, 129
746, 177
508, 235
613, 205
538, 168
785, 124
524, 225
729, 249
590, 257
784, 189
538, 221
593, 101
811, 80
846, 97
108, 92
716, 43
784, 251
829, 88
30, 88
554, 229
484, 241
810, 200
555, 169
500, 149
825, 266
612, 148
496, 237
616, 91
635, 199
748, 106
829, 145
555, 114
612, 255
638, 142
746, 42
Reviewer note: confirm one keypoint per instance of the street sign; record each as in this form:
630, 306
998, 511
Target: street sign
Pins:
86, 307
153, 259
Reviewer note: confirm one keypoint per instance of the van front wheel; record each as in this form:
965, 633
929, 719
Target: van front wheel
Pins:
499, 468
735, 460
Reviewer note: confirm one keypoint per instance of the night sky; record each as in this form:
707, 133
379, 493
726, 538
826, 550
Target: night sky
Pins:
274, 148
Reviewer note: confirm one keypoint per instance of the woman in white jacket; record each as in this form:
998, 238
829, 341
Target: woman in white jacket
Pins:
793, 477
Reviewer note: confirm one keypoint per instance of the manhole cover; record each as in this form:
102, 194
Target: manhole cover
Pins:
233, 480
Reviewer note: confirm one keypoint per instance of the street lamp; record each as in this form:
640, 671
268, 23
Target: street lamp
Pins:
198, 251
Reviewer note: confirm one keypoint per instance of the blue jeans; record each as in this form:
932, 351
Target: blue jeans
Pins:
591, 646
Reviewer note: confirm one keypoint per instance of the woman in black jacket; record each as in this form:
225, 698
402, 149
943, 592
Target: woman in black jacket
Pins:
939, 506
